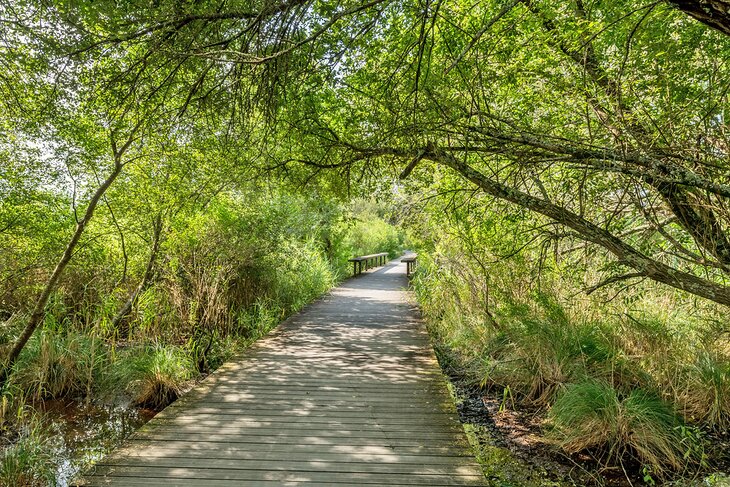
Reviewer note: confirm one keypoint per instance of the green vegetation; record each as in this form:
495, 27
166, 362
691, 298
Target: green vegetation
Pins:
177, 177
26, 460
592, 415
634, 379
223, 276
155, 377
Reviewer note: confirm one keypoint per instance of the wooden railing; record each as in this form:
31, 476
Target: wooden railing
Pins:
410, 263
368, 260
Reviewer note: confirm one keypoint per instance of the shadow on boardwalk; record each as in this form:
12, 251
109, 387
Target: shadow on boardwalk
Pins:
347, 392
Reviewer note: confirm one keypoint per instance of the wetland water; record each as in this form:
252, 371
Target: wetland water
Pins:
80, 434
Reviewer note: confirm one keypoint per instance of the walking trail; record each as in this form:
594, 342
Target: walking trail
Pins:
346, 392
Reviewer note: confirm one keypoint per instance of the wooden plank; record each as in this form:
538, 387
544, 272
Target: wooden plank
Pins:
324, 387
244, 397
348, 392
321, 445
309, 381
162, 434
303, 404
225, 451
318, 434
380, 478
136, 482
369, 256
239, 417
308, 465
98, 481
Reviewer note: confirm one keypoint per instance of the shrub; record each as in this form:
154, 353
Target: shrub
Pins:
302, 274
372, 234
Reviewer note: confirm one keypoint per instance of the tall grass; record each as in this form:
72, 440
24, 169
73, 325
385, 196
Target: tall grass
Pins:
28, 462
593, 415
704, 390
59, 363
154, 376
25, 458
633, 381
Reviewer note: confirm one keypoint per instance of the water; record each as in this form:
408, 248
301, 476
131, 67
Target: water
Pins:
82, 434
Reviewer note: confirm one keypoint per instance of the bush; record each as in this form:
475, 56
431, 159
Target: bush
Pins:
370, 232
302, 274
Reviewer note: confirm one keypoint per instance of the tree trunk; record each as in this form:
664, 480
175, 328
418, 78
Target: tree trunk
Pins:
713, 13
40, 306
698, 220
146, 278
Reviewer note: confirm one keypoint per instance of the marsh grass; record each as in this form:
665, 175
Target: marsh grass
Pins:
25, 458
59, 363
593, 415
633, 382
705, 395
154, 376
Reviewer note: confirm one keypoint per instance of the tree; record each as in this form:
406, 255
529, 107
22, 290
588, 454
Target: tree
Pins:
96, 132
577, 112
604, 117
119, 152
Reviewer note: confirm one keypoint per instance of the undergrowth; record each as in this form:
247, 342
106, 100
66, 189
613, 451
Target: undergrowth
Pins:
223, 277
637, 384
25, 458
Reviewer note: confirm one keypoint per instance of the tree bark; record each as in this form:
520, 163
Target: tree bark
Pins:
713, 13
698, 221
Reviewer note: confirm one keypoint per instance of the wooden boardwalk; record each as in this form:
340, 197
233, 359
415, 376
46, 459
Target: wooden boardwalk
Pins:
347, 392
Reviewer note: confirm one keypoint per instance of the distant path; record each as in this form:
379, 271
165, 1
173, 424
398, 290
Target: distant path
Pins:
347, 392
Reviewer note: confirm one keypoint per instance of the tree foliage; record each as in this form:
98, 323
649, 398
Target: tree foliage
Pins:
594, 129
608, 119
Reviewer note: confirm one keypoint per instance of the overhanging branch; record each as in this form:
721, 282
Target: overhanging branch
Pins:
630, 256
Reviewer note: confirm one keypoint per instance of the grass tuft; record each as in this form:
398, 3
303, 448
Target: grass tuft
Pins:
156, 376
27, 461
707, 390
593, 415
57, 364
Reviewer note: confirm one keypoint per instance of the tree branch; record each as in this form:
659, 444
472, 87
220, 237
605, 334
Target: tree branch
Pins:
713, 13
613, 279
647, 266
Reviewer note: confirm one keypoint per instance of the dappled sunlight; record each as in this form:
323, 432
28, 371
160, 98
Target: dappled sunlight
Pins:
348, 388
